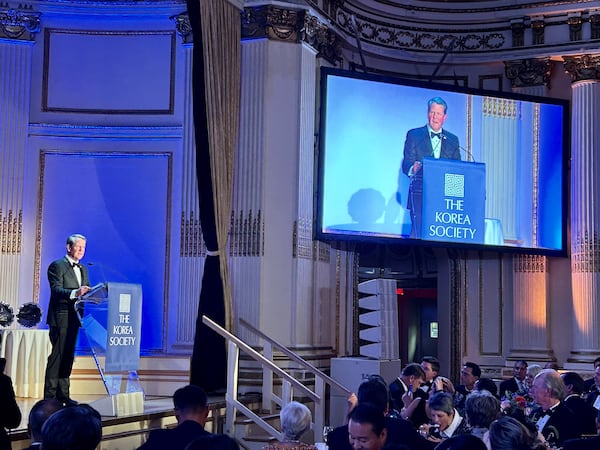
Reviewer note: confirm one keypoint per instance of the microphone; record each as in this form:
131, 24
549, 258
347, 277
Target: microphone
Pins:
101, 268
468, 154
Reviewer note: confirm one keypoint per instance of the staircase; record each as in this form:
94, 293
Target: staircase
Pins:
255, 430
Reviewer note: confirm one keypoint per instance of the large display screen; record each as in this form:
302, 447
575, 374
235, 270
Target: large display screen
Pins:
406, 161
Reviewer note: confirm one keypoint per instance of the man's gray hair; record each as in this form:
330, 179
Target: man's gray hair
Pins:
552, 380
75, 237
295, 420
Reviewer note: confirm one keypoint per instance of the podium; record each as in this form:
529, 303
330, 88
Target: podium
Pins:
453, 201
110, 316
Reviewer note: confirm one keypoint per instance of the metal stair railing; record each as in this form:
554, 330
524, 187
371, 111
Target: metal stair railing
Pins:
290, 386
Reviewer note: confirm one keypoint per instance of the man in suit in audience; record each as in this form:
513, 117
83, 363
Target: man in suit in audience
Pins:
469, 374
585, 413
68, 280
38, 415
399, 431
592, 386
517, 382
191, 412
405, 395
557, 422
78, 427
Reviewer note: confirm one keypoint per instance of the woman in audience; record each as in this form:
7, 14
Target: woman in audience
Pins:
295, 421
445, 419
532, 371
481, 409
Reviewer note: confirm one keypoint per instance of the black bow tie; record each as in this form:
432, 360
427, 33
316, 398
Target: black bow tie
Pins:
76, 265
437, 135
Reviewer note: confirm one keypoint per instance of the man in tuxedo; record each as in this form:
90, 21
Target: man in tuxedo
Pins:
405, 395
68, 280
191, 412
429, 140
586, 414
557, 422
591, 386
38, 415
400, 432
517, 382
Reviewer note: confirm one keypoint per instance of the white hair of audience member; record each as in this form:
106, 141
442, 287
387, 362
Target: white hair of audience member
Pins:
295, 420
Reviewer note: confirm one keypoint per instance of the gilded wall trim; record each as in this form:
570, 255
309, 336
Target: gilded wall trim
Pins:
19, 24
530, 263
191, 243
11, 232
499, 107
528, 72
302, 238
585, 254
246, 233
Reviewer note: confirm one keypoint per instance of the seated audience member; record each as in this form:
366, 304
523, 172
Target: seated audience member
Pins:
481, 409
462, 442
431, 368
532, 371
295, 420
469, 374
590, 383
445, 419
507, 433
593, 393
589, 443
586, 414
516, 384
551, 365
10, 414
191, 411
557, 422
366, 428
400, 432
405, 394
213, 442
37, 417
74, 428
487, 384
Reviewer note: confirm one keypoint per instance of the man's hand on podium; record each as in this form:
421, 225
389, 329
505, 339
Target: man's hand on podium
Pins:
82, 291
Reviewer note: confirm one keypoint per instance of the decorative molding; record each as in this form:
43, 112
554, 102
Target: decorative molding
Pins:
303, 243
517, 28
575, 22
19, 25
183, 27
11, 232
582, 67
585, 254
538, 27
530, 263
528, 72
246, 234
595, 25
498, 107
291, 25
192, 243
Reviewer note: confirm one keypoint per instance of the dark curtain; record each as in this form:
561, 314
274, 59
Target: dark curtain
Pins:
208, 368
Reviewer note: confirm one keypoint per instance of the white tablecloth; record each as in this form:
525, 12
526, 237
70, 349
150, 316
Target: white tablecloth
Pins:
26, 353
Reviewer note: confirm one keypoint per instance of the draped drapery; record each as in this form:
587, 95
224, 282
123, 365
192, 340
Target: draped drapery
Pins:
216, 95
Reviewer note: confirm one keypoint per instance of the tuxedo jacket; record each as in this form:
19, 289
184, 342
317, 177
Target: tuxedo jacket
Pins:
397, 390
10, 414
582, 444
418, 145
175, 438
565, 422
62, 279
399, 431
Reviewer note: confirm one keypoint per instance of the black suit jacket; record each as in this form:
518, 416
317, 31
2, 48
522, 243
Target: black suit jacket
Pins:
418, 145
62, 279
174, 438
565, 422
586, 414
510, 386
399, 431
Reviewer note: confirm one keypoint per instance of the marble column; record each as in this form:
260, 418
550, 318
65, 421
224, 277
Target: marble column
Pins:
17, 38
531, 299
585, 193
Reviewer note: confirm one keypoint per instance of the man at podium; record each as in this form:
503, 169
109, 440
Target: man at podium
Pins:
68, 280
430, 140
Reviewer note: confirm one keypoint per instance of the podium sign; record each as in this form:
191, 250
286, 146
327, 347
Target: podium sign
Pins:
124, 327
453, 201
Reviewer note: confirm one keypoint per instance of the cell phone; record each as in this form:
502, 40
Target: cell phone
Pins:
434, 431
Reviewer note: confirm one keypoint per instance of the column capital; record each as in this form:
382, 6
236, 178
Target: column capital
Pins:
19, 24
183, 27
291, 25
582, 67
528, 72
